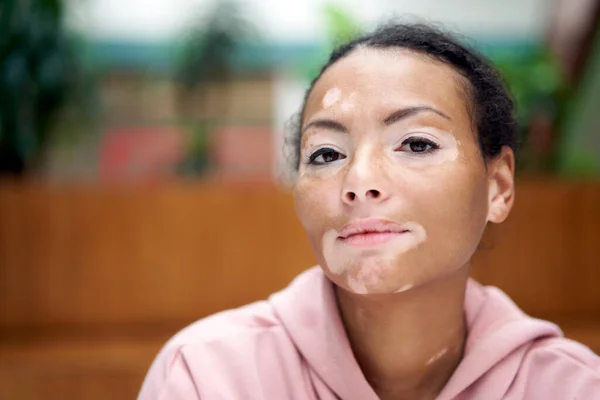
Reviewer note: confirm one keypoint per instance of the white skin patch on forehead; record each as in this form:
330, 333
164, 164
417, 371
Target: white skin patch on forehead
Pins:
331, 97
349, 103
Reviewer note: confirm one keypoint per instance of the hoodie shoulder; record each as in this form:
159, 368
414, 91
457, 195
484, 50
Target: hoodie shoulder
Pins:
557, 368
210, 346
512, 356
225, 326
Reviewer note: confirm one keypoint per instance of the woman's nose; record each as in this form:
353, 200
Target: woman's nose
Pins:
366, 181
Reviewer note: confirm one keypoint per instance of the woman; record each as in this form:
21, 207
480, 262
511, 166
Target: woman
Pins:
404, 153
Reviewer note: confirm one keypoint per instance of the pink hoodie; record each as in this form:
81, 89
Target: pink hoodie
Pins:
294, 346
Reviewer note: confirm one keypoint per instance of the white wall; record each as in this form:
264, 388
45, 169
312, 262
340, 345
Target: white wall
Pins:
284, 20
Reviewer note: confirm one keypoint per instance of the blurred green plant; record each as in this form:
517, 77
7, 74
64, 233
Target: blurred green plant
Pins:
206, 57
541, 93
38, 69
341, 27
196, 160
579, 147
209, 45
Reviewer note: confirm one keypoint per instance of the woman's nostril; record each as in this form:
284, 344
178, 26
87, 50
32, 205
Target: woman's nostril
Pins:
373, 193
369, 194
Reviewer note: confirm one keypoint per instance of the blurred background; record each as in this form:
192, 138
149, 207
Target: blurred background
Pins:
141, 151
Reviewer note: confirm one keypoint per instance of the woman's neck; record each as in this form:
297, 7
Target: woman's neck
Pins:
408, 344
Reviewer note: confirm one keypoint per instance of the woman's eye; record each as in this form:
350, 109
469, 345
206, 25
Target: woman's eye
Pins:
419, 145
324, 156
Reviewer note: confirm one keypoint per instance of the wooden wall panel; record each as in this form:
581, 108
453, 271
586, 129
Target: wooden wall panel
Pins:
126, 256
94, 279
75, 369
134, 255
546, 256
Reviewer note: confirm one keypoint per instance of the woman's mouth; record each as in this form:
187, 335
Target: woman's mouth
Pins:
370, 232
371, 238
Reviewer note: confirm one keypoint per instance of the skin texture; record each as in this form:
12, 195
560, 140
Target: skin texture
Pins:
401, 300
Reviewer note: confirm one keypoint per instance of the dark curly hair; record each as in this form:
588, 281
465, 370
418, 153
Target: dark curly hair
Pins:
490, 104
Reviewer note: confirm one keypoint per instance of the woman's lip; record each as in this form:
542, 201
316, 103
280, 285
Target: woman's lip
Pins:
371, 238
370, 226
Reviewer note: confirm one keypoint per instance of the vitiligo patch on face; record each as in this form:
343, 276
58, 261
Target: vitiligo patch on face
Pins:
436, 356
348, 103
449, 152
356, 286
363, 276
331, 97
404, 288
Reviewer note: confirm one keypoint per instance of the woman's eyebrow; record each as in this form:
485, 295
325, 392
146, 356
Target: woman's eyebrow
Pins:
391, 119
327, 124
411, 111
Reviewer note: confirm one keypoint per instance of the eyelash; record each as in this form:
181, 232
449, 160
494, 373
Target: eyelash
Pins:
408, 142
419, 140
320, 152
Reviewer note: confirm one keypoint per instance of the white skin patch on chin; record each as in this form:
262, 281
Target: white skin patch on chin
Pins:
340, 257
356, 286
365, 275
331, 97
337, 262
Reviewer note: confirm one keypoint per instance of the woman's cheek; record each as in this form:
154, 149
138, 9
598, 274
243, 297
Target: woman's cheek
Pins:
316, 201
308, 194
452, 208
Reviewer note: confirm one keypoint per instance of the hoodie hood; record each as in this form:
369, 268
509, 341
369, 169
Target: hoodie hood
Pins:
499, 335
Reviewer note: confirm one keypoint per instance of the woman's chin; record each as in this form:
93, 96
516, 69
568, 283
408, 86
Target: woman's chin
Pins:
373, 279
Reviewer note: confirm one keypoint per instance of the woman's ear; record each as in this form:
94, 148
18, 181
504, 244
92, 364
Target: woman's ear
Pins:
501, 185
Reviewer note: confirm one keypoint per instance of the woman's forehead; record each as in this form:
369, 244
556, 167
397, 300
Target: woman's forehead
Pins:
388, 78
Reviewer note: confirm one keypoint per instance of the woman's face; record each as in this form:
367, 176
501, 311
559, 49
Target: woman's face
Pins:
392, 188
